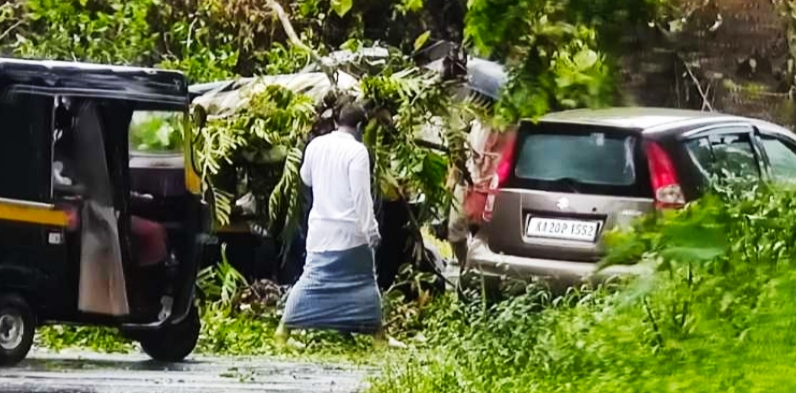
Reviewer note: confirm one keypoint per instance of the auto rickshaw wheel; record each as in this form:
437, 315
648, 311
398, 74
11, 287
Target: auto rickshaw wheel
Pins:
174, 343
17, 327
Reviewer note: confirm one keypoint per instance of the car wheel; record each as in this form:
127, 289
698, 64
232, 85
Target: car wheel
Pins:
17, 327
174, 343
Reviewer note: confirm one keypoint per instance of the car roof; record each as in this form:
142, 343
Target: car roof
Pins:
638, 118
94, 80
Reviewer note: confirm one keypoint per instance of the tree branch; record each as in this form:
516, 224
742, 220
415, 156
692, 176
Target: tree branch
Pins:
705, 99
10, 29
296, 41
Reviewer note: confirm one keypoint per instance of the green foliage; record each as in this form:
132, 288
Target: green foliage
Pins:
281, 59
207, 39
268, 127
193, 37
553, 49
713, 317
341, 7
111, 31
221, 283
403, 103
215, 40
59, 337
159, 131
258, 133
406, 6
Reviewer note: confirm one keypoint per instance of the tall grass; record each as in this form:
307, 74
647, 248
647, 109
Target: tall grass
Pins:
718, 315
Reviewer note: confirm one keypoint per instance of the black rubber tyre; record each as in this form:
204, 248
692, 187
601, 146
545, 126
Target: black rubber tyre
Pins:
175, 343
17, 328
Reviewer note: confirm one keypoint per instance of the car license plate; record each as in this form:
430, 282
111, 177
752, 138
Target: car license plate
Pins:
562, 229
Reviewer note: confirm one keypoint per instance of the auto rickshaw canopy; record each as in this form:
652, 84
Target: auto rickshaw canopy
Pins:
144, 86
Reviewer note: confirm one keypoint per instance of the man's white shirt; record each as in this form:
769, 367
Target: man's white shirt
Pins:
337, 167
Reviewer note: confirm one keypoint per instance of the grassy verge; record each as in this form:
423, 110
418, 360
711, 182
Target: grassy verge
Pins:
717, 316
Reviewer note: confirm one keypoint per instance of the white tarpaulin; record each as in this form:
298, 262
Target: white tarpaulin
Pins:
228, 98
225, 98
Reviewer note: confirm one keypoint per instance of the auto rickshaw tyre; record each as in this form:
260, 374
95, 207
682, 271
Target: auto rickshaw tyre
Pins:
174, 343
17, 328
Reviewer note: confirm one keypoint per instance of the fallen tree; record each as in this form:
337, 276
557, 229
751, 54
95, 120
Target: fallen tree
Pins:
253, 130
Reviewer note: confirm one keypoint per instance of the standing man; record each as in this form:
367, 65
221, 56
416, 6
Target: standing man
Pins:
472, 201
337, 289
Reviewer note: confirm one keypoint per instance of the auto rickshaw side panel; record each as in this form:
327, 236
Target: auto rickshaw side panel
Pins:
33, 260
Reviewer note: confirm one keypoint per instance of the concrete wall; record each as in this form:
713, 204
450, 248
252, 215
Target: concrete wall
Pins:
736, 50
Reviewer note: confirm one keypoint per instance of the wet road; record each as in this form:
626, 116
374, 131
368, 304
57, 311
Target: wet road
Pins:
88, 373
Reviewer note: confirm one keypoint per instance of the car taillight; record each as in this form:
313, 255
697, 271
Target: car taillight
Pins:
506, 161
665, 185
502, 174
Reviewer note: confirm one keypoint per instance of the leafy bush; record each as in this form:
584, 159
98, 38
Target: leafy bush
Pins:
207, 39
267, 128
715, 316
158, 131
556, 50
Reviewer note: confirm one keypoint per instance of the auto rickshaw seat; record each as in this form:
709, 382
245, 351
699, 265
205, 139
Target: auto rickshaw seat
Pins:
150, 242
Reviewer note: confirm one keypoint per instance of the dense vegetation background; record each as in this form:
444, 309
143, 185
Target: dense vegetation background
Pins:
213, 40
734, 54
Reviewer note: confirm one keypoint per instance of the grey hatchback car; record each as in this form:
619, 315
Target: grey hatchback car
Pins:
574, 175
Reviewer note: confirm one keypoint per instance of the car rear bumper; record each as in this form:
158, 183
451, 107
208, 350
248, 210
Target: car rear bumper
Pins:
486, 262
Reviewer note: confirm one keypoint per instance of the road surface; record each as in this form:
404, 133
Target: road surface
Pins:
89, 373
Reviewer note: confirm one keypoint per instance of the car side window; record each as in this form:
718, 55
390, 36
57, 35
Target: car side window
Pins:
721, 155
702, 154
781, 157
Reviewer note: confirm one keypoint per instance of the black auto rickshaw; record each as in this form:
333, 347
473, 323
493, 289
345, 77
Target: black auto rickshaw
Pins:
80, 241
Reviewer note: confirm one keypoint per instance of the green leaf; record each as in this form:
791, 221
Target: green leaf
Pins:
692, 254
586, 59
422, 39
695, 235
413, 5
341, 7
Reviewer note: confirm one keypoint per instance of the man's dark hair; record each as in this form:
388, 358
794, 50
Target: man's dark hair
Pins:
351, 115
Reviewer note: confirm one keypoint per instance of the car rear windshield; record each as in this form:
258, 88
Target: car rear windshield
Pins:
585, 161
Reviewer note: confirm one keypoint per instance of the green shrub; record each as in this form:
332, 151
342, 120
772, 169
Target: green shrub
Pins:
716, 316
